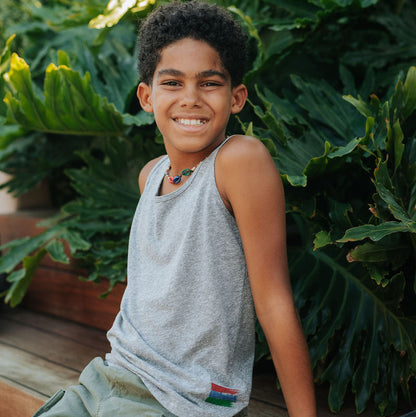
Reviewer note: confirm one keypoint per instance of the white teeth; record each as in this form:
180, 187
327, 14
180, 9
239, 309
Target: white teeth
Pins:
191, 122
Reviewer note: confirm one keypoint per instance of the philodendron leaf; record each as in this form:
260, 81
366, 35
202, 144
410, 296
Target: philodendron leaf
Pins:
382, 176
70, 105
139, 119
29, 252
322, 239
398, 145
4, 64
360, 105
351, 145
409, 93
20, 248
75, 241
296, 157
56, 251
260, 58
370, 252
377, 232
394, 206
325, 105
352, 326
24, 106
5, 54
21, 279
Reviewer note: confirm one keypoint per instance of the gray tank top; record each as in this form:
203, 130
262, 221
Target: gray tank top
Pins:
186, 322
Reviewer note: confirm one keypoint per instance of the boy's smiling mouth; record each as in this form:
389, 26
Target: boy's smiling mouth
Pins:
190, 122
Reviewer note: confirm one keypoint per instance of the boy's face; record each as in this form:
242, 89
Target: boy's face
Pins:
191, 97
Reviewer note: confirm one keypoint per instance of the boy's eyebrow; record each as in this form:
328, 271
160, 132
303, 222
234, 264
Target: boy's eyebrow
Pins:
170, 71
202, 74
211, 73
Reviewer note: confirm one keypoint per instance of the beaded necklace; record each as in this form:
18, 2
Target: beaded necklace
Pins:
176, 179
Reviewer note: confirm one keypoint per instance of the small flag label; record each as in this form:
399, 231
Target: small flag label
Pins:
222, 396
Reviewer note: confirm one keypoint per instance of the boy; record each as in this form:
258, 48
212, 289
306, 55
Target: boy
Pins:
207, 240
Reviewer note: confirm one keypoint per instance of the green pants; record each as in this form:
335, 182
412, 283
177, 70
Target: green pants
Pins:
105, 391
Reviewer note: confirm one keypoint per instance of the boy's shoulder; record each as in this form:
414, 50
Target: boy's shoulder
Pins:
144, 173
241, 149
244, 169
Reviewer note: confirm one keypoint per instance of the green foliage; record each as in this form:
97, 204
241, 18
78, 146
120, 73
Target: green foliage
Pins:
357, 317
357, 333
70, 105
20, 250
350, 184
332, 90
94, 227
361, 309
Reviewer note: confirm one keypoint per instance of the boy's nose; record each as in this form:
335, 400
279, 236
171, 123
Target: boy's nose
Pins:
190, 97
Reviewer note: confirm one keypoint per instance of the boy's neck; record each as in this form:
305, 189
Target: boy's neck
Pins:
187, 160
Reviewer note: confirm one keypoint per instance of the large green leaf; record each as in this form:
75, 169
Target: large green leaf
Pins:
409, 93
351, 324
395, 254
4, 64
377, 232
56, 251
306, 153
260, 58
325, 105
21, 248
70, 104
21, 279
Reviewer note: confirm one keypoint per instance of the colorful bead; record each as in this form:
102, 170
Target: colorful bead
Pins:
187, 171
176, 179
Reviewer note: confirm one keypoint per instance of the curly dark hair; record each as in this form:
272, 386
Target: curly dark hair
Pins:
174, 21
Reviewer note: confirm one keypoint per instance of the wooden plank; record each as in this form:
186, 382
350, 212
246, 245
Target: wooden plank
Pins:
29, 370
46, 346
16, 402
86, 335
265, 390
28, 391
261, 409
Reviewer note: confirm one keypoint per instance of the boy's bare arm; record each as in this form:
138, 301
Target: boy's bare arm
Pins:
251, 187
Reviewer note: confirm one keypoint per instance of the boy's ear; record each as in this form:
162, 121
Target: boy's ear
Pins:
144, 94
239, 98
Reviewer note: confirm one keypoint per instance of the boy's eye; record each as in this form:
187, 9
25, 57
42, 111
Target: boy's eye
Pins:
211, 84
170, 83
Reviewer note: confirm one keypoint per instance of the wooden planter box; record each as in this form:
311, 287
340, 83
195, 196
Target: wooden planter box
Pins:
56, 288
38, 197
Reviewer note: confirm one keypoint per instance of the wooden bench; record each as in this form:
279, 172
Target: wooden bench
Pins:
40, 353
